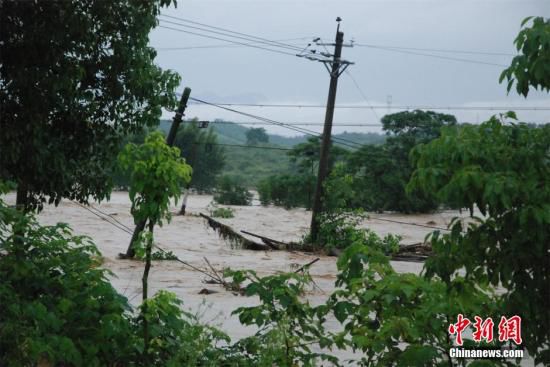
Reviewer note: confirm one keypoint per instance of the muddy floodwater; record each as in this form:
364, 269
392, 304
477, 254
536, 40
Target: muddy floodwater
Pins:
190, 238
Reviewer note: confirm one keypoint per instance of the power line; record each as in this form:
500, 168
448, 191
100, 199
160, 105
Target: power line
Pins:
217, 46
268, 43
309, 123
281, 44
437, 56
244, 146
362, 94
409, 224
394, 107
435, 50
128, 230
230, 41
273, 122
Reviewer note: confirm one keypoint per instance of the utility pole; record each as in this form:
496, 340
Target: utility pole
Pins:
188, 187
130, 252
338, 66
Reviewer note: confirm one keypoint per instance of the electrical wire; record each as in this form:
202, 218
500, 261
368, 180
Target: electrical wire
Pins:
274, 43
217, 46
362, 93
308, 123
293, 48
409, 224
398, 107
244, 146
128, 230
435, 50
230, 41
341, 141
437, 56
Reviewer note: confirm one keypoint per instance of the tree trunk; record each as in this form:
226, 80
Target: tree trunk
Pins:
130, 252
144, 281
21, 201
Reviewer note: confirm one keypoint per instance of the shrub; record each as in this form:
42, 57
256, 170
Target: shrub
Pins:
288, 327
230, 192
287, 190
176, 337
222, 213
59, 308
57, 304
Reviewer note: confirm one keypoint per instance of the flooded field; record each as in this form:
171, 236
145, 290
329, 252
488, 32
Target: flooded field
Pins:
190, 238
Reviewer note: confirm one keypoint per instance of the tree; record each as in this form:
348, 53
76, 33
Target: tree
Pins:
502, 169
382, 172
75, 77
304, 156
157, 174
297, 187
256, 135
200, 149
530, 68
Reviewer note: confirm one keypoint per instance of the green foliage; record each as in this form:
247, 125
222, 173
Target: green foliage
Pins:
288, 326
376, 178
256, 135
230, 192
503, 170
297, 188
382, 172
177, 338
398, 319
59, 308
340, 229
222, 213
121, 180
530, 67
287, 190
75, 78
57, 304
163, 255
305, 156
140, 248
157, 174
199, 148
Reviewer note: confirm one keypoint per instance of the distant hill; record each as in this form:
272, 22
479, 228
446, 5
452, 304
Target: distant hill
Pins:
233, 133
253, 164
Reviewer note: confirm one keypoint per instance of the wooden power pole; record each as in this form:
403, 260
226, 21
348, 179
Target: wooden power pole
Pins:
338, 66
130, 252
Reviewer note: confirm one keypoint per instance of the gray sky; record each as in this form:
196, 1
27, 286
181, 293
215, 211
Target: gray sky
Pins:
248, 75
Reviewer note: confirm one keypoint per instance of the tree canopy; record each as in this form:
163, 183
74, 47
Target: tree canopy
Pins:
502, 169
75, 77
382, 172
200, 149
256, 135
530, 68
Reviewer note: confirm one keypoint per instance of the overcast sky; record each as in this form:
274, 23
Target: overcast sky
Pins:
249, 75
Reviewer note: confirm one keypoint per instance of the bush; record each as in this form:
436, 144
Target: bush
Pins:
287, 190
57, 304
222, 213
59, 308
177, 337
230, 192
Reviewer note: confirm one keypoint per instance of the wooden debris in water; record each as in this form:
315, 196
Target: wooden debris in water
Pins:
235, 239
